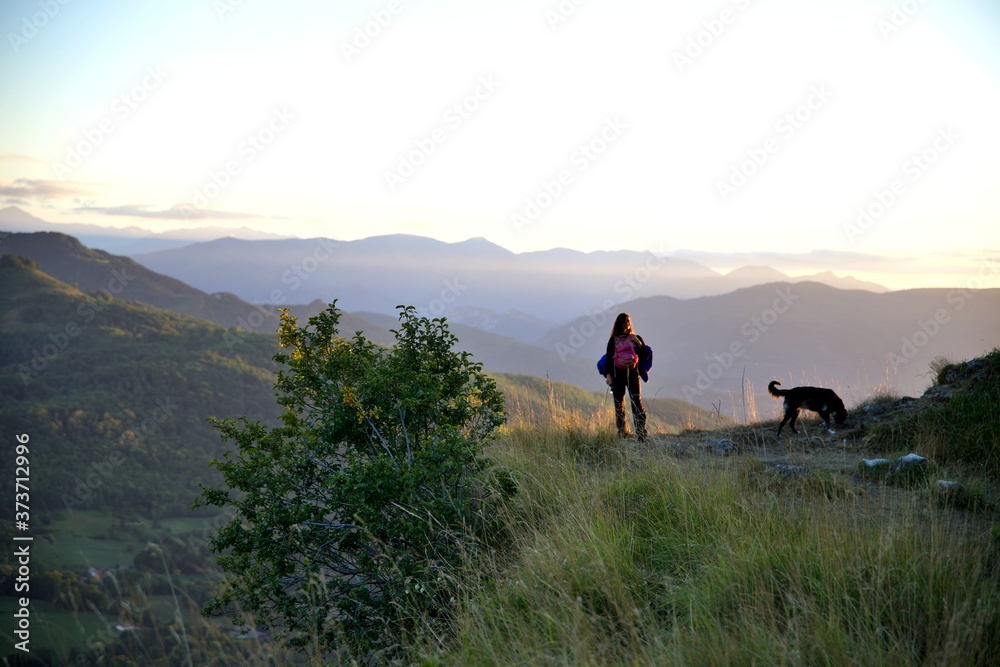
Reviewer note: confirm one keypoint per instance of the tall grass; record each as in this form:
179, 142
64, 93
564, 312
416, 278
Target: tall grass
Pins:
617, 555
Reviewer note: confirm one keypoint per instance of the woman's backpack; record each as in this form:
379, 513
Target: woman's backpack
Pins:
625, 354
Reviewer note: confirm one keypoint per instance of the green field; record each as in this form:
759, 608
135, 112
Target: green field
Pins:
76, 541
66, 551
89, 538
52, 628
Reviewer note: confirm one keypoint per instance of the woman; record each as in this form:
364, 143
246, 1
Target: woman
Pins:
622, 366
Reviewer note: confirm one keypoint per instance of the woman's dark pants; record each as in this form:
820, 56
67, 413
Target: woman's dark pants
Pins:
628, 379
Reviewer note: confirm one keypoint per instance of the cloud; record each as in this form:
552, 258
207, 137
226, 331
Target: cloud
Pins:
176, 212
21, 158
26, 187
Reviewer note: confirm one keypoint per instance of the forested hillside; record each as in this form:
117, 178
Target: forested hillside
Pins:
115, 395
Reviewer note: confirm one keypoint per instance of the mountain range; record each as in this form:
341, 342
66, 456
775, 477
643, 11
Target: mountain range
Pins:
124, 240
474, 282
518, 315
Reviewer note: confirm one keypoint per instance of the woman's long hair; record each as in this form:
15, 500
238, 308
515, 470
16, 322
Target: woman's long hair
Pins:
623, 325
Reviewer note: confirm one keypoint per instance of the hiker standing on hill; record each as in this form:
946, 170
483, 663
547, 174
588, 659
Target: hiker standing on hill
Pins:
624, 350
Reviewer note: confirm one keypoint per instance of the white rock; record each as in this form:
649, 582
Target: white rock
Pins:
909, 462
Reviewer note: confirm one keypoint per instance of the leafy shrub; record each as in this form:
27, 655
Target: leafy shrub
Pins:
351, 516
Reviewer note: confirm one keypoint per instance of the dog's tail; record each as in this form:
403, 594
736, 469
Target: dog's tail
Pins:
772, 389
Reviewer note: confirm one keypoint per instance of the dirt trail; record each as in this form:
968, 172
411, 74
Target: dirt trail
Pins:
813, 447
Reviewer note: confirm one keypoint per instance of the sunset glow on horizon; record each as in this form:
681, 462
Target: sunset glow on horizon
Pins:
859, 137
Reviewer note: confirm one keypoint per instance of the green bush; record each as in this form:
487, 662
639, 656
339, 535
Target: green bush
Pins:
352, 515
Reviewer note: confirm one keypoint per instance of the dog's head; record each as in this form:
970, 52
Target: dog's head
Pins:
840, 416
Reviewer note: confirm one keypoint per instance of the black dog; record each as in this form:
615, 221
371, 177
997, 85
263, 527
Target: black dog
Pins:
818, 399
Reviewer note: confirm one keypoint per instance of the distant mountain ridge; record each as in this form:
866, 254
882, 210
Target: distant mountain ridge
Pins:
123, 240
65, 258
472, 278
473, 281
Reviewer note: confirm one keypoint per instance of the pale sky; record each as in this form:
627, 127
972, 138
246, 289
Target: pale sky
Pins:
707, 129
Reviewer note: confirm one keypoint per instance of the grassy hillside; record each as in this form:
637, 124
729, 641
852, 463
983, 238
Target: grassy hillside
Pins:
766, 551
957, 421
